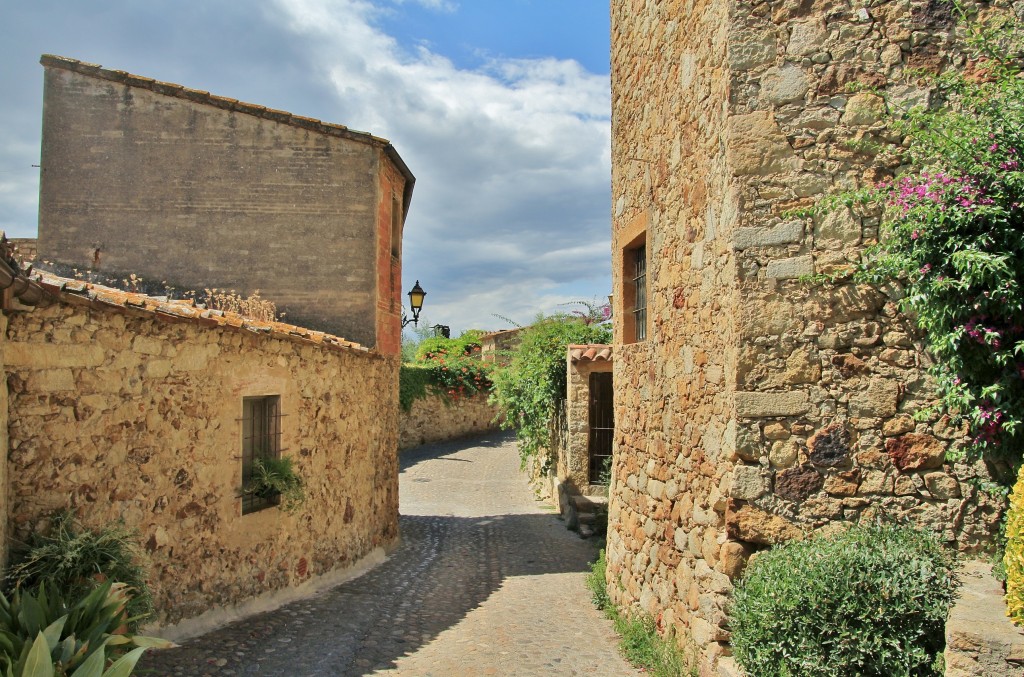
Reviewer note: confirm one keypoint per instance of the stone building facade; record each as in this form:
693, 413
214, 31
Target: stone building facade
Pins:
126, 407
753, 406
201, 191
573, 465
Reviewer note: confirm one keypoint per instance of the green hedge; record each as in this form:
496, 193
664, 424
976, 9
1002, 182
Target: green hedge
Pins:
872, 600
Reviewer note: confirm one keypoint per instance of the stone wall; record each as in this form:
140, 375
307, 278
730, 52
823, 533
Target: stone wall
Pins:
673, 393
4, 449
436, 419
26, 248
134, 413
763, 407
200, 191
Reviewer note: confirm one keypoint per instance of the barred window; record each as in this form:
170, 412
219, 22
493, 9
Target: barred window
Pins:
640, 291
261, 438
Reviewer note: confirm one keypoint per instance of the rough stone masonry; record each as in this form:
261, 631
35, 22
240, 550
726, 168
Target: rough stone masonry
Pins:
761, 407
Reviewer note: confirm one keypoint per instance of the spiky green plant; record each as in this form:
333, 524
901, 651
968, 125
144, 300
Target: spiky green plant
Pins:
74, 560
277, 477
43, 636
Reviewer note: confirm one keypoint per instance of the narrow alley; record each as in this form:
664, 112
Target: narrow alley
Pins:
484, 582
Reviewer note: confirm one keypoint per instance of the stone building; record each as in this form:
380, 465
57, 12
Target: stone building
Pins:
582, 435
201, 191
496, 345
121, 406
752, 406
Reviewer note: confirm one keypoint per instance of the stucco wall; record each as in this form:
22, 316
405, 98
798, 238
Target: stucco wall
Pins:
206, 194
762, 407
435, 419
122, 416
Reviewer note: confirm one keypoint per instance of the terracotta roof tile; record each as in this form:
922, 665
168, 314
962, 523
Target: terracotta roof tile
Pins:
592, 352
173, 310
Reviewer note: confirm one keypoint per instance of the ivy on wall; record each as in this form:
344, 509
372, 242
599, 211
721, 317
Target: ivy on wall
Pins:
449, 368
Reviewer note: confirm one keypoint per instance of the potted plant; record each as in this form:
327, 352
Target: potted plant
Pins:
274, 478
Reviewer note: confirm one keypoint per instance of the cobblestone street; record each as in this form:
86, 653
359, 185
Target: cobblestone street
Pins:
486, 581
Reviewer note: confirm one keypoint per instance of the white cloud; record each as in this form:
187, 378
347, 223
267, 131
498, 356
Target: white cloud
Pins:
511, 208
439, 5
512, 164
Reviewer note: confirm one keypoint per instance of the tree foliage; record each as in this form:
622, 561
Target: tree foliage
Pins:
535, 378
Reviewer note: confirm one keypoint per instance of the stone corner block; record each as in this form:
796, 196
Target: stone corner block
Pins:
785, 269
757, 145
791, 232
764, 405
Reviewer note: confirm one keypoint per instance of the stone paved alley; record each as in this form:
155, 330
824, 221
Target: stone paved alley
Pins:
486, 581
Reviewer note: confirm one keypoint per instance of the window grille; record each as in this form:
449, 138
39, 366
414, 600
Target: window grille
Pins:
640, 287
261, 438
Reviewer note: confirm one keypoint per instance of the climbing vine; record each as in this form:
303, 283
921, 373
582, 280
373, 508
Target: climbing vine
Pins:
450, 368
953, 237
535, 378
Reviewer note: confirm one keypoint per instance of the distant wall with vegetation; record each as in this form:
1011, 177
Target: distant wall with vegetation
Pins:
443, 392
435, 418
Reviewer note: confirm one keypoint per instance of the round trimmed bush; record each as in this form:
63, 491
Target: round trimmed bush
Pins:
872, 600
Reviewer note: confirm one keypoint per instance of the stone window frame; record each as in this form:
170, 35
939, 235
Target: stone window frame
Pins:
631, 306
261, 432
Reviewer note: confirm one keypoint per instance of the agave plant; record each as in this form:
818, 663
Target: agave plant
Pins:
41, 636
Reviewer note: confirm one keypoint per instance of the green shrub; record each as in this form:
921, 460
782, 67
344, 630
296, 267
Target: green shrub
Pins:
1013, 557
597, 585
42, 636
467, 344
449, 368
73, 560
872, 600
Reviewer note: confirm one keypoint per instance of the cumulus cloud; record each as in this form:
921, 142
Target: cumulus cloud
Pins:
511, 208
512, 163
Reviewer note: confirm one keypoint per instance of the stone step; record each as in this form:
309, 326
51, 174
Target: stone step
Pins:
595, 490
588, 504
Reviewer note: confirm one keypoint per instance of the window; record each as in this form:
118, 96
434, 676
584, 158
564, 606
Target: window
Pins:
396, 228
630, 297
261, 438
640, 291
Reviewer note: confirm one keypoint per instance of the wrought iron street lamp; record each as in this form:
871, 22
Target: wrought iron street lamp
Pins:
416, 295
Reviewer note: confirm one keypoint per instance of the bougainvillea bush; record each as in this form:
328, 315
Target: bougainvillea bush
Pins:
953, 236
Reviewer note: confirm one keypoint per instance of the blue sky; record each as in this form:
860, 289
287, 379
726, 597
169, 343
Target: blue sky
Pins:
500, 108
